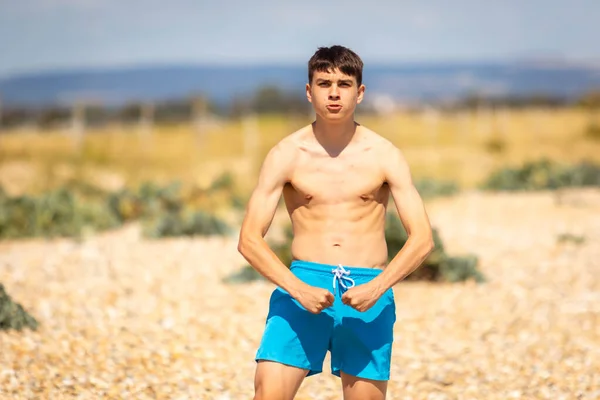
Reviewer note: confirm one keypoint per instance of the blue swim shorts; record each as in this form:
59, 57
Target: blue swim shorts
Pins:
360, 343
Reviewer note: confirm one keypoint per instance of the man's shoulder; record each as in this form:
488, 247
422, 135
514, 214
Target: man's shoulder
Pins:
388, 156
285, 151
378, 142
291, 143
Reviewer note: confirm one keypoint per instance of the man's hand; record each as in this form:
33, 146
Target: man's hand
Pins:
314, 299
361, 297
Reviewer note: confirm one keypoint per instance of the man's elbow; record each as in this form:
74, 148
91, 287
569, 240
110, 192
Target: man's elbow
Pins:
427, 244
242, 245
246, 242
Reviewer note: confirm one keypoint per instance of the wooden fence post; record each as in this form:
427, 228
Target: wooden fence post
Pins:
78, 125
251, 138
199, 111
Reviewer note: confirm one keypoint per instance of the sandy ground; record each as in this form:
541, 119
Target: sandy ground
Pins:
122, 317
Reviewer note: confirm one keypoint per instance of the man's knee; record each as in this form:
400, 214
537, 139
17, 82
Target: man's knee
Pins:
273, 390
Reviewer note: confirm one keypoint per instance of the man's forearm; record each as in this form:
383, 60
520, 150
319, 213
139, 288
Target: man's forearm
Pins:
408, 259
260, 256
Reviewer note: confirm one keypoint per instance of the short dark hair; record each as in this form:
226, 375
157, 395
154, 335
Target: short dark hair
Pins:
327, 59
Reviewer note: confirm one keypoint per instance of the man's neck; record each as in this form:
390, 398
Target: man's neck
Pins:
334, 137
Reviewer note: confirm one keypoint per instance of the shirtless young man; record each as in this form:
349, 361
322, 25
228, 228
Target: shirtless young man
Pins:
336, 177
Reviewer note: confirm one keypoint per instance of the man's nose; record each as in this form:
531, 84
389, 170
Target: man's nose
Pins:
334, 92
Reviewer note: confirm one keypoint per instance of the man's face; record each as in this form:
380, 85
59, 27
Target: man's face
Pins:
334, 95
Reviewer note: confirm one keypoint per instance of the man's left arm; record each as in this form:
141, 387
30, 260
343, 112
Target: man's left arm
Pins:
413, 215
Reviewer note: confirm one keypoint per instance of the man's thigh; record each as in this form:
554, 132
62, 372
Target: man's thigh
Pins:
276, 381
294, 336
355, 388
362, 341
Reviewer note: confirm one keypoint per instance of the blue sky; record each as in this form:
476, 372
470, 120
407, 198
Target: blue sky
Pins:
57, 34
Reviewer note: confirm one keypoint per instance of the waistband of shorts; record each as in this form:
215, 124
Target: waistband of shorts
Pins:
327, 269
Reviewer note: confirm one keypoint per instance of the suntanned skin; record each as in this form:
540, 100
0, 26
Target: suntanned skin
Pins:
336, 177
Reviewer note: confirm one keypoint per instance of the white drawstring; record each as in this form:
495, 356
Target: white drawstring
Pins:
340, 274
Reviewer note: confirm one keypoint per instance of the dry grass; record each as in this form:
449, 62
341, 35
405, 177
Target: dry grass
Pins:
463, 147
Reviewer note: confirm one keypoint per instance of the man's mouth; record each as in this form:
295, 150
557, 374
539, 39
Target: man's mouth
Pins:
334, 107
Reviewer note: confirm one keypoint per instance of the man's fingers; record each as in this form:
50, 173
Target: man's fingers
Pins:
327, 299
345, 298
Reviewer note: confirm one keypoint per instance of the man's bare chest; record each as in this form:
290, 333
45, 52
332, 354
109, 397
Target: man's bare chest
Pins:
332, 182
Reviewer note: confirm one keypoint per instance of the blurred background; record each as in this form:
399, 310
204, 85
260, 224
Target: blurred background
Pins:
126, 122
113, 113
112, 95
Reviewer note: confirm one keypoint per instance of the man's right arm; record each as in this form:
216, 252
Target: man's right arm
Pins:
274, 174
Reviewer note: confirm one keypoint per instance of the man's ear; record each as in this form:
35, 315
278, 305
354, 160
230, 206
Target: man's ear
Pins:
308, 94
361, 93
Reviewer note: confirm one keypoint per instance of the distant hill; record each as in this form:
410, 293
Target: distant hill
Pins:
413, 82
